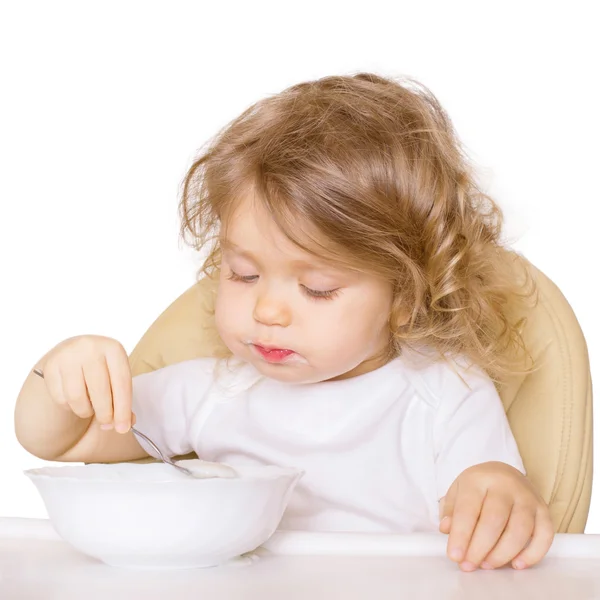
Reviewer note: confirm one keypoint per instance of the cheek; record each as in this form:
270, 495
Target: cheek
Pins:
377, 309
360, 325
335, 331
227, 310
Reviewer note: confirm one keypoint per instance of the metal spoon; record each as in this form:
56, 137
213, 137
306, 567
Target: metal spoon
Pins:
163, 457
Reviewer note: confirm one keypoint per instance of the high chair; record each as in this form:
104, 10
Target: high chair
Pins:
549, 410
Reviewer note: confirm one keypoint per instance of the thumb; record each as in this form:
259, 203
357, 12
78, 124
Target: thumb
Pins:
447, 509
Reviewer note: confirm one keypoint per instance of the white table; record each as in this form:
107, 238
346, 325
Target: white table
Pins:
36, 564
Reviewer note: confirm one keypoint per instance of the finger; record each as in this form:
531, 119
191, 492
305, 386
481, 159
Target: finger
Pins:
98, 387
75, 392
444, 515
441, 507
445, 525
121, 385
516, 535
494, 517
54, 385
446, 503
464, 520
541, 541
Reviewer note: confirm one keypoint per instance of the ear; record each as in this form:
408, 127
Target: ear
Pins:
399, 315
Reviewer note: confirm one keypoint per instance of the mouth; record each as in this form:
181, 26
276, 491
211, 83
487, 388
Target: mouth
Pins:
272, 354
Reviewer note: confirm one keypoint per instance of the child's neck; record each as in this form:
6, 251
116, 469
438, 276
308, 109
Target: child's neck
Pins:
371, 364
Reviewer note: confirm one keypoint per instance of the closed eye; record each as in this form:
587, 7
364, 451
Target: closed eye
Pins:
233, 276
320, 294
313, 294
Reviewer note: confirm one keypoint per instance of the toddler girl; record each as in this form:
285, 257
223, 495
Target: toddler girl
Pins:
363, 296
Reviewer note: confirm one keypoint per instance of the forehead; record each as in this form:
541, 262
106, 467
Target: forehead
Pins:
250, 228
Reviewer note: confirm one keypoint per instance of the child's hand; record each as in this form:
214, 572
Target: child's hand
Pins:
90, 375
495, 516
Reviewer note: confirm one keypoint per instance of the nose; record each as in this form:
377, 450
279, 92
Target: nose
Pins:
270, 309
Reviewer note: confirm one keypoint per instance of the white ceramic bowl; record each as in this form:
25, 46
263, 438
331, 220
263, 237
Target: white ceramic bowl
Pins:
150, 515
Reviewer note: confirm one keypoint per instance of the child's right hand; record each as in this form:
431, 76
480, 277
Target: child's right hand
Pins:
90, 376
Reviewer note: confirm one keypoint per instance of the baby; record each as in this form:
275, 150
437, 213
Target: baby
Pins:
362, 296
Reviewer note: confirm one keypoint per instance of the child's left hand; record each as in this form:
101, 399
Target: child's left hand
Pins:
495, 516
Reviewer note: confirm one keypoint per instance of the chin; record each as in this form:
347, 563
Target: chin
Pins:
283, 373
292, 374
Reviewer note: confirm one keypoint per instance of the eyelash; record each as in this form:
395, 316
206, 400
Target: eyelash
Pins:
312, 294
319, 295
243, 278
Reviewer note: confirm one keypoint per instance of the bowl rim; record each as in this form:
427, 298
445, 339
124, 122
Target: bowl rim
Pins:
53, 474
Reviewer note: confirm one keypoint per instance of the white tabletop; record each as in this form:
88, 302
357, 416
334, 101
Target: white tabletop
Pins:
35, 563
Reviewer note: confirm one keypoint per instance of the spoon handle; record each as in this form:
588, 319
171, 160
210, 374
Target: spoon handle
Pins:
150, 442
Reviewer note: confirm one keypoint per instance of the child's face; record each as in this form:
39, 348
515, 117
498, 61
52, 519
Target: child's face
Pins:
294, 317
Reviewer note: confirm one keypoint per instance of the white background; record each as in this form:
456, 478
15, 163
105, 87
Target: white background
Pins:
104, 104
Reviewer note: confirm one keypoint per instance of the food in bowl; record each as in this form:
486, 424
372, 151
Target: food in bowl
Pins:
153, 516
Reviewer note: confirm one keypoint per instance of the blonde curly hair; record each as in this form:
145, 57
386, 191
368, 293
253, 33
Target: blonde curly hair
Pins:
375, 166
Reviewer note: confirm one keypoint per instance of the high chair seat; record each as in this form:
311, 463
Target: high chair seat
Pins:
549, 410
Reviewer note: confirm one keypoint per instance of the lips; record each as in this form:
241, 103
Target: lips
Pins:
273, 355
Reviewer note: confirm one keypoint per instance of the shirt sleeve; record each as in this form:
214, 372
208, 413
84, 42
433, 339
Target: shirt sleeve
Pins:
165, 401
470, 427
